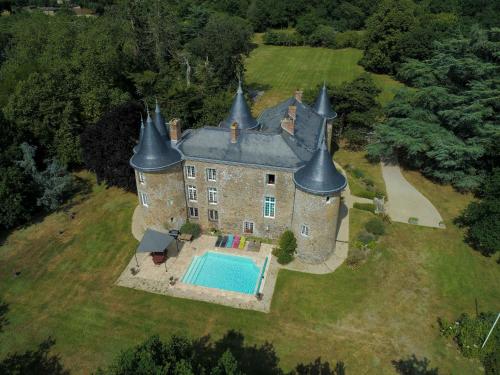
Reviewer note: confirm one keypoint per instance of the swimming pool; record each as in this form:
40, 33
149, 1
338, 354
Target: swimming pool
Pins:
223, 271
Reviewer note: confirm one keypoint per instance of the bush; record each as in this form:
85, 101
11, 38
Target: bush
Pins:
365, 238
358, 173
191, 228
356, 256
354, 39
365, 206
375, 226
323, 36
283, 38
286, 248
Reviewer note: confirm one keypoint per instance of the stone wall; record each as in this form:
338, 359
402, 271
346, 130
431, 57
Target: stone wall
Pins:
167, 208
241, 193
321, 216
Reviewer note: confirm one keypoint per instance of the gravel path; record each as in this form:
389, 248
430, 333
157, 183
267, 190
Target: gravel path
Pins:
405, 201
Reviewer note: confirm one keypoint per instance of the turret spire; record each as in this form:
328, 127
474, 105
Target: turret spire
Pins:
322, 105
160, 121
240, 112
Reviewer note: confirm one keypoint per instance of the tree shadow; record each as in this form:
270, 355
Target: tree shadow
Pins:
414, 366
254, 359
4, 309
38, 361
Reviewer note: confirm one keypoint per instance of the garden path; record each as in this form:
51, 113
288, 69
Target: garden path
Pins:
405, 201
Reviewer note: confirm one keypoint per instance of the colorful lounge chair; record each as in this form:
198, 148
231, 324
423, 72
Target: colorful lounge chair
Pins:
236, 242
219, 241
242, 242
229, 242
224, 241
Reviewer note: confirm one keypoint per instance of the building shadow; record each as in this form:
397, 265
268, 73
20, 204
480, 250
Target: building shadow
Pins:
414, 366
343, 212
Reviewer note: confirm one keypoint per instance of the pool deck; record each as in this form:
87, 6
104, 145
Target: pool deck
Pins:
156, 278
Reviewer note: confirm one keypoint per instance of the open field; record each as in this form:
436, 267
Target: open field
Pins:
279, 71
382, 311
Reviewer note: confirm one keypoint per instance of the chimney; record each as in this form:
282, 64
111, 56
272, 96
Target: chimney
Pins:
288, 125
292, 112
234, 132
175, 130
298, 95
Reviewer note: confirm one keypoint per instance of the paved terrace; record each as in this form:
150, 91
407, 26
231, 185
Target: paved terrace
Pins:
156, 278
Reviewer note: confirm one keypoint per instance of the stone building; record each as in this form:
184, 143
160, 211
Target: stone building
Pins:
246, 176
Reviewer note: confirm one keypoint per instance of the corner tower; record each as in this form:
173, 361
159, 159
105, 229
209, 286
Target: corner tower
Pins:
159, 179
317, 206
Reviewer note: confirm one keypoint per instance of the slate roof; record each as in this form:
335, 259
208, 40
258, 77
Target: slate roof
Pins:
319, 176
240, 113
159, 121
253, 148
154, 241
322, 106
154, 153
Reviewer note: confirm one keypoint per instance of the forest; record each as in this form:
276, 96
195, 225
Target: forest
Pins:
72, 89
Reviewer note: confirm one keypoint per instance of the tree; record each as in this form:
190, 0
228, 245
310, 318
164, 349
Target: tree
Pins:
108, 144
482, 219
287, 247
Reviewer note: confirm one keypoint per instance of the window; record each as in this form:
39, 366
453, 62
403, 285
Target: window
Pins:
213, 215
270, 179
144, 197
211, 174
304, 230
190, 171
212, 195
192, 195
247, 227
142, 178
193, 212
269, 207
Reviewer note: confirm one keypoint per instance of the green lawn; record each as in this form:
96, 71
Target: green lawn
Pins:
279, 71
383, 311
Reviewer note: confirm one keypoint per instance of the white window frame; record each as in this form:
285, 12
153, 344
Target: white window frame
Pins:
212, 217
192, 193
211, 174
141, 177
271, 212
212, 196
144, 198
190, 172
267, 179
250, 225
194, 212
305, 231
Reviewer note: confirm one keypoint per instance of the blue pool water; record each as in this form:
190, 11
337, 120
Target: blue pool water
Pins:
222, 271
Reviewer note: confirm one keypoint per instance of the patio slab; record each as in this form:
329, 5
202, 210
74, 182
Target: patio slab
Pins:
157, 278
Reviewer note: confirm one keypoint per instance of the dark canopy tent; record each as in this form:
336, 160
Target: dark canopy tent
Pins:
154, 242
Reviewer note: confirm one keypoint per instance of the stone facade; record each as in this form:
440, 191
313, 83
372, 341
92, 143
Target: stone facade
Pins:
167, 202
241, 192
320, 215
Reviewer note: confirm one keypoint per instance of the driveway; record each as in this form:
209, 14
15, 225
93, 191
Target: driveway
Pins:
404, 201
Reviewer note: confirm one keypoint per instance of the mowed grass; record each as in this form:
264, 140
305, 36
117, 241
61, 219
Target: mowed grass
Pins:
279, 71
385, 310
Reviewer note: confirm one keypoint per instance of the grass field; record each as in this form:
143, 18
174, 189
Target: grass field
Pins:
385, 310
279, 71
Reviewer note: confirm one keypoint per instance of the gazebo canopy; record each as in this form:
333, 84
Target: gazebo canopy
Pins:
154, 242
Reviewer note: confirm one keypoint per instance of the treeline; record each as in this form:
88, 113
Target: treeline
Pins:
60, 74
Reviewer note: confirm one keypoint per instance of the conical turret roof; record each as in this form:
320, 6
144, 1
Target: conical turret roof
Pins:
240, 113
153, 153
160, 122
322, 105
141, 132
319, 175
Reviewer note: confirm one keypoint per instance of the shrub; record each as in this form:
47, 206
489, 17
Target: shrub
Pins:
356, 256
191, 228
354, 39
323, 36
413, 220
367, 194
469, 334
286, 248
375, 226
283, 38
358, 173
365, 206
365, 238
